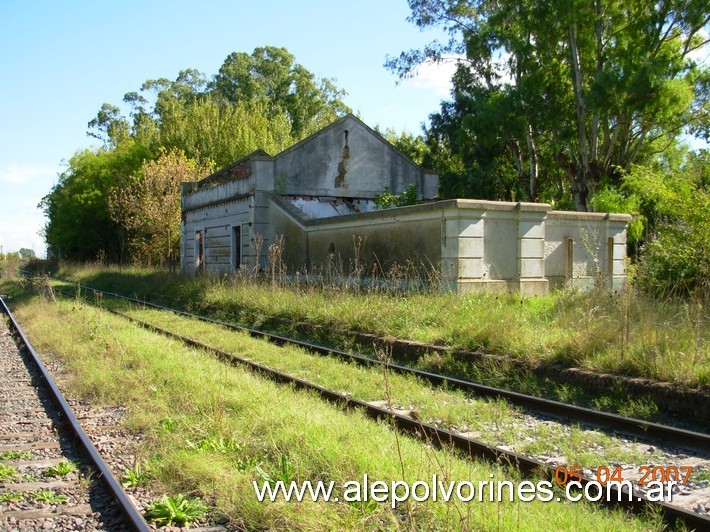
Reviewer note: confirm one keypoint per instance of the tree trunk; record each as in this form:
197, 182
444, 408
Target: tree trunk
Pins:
532, 155
582, 173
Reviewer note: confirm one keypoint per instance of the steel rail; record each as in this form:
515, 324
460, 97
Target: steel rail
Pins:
614, 495
636, 427
133, 516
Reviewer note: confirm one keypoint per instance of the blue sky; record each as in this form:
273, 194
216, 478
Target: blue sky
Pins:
60, 60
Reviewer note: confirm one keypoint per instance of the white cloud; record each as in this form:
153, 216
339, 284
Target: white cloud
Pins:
23, 174
435, 75
15, 236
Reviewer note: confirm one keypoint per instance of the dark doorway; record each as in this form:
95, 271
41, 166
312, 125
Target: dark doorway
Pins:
199, 250
236, 247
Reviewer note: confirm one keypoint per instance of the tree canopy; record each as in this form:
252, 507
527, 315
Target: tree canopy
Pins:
264, 100
554, 100
271, 77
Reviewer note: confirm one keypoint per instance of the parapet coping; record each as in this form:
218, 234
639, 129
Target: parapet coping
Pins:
589, 216
447, 205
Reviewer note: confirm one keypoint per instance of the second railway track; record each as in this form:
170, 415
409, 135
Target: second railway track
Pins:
436, 434
630, 426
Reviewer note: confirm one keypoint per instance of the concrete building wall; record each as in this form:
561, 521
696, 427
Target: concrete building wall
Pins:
295, 238
317, 197
494, 246
226, 217
346, 159
470, 245
406, 236
225, 231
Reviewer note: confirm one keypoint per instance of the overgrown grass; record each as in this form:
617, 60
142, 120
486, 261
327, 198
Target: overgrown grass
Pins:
178, 397
496, 422
627, 334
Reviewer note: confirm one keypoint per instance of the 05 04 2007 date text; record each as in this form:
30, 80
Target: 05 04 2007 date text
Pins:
604, 474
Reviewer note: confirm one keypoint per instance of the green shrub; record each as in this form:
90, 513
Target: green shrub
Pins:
176, 510
387, 200
674, 260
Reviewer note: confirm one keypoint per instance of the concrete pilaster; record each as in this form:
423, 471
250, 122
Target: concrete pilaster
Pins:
531, 251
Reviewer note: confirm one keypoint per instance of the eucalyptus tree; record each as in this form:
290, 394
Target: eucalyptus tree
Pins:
272, 77
573, 92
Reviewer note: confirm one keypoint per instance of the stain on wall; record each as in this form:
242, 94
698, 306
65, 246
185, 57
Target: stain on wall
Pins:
342, 169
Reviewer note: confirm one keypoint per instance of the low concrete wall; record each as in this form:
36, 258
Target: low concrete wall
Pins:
584, 248
494, 246
469, 245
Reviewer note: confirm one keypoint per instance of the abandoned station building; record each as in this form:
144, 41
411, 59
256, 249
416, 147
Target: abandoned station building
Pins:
317, 200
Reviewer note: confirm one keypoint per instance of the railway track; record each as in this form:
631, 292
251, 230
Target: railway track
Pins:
51, 475
438, 436
636, 428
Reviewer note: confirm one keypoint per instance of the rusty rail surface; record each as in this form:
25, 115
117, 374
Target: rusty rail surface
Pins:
133, 517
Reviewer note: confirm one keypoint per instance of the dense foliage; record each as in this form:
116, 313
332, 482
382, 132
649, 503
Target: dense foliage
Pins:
148, 206
554, 100
387, 200
104, 205
675, 258
582, 105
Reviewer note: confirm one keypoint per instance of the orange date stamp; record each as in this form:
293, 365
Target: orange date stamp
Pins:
604, 474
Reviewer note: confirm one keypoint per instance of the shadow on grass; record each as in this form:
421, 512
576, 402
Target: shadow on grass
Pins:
15, 293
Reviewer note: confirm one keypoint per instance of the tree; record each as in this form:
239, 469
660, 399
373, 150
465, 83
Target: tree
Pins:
149, 206
260, 101
26, 253
78, 224
269, 102
209, 129
271, 77
581, 89
413, 146
475, 142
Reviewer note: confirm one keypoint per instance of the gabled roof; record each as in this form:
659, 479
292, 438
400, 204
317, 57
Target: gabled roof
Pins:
337, 123
241, 168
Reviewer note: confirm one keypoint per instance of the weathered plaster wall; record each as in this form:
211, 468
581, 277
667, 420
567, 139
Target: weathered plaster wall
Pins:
393, 236
217, 223
494, 246
583, 247
217, 210
346, 159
